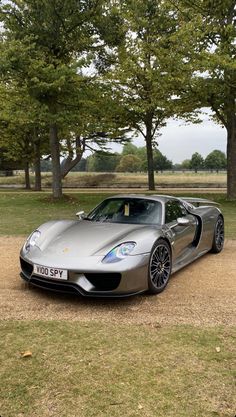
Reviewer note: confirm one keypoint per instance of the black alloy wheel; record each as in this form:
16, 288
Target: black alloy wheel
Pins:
218, 239
159, 267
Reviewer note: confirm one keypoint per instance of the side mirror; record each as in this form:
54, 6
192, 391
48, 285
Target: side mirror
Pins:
182, 221
80, 215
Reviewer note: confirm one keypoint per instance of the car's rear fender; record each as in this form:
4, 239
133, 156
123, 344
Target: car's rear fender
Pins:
208, 217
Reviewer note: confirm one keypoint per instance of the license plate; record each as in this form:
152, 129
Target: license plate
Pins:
47, 271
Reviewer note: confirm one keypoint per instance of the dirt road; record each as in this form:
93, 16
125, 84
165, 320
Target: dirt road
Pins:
203, 293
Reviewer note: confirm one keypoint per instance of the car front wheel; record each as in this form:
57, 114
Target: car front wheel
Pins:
159, 267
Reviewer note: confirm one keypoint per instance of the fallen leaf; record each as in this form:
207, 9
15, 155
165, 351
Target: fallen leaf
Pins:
26, 354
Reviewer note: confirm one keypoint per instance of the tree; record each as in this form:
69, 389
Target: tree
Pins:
186, 164
22, 135
211, 30
130, 149
216, 160
44, 47
129, 163
196, 162
103, 162
149, 70
8, 165
161, 162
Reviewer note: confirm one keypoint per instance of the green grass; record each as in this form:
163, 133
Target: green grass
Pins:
21, 212
93, 370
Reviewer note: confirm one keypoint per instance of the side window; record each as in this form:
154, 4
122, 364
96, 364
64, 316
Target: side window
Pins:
174, 209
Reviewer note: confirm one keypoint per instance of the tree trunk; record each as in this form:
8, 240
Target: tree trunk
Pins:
56, 168
27, 176
70, 162
231, 157
69, 165
37, 168
148, 136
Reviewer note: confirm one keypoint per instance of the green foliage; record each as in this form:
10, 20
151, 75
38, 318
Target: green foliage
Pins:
102, 162
150, 70
44, 51
20, 122
186, 164
129, 163
151, 60
130, 148
196, 162
216, 160
161, 162
211, 31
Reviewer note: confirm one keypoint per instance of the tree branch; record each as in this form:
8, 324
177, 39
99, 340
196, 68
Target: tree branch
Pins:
217, 111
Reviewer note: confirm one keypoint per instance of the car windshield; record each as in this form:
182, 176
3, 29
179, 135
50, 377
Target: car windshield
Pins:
127, 210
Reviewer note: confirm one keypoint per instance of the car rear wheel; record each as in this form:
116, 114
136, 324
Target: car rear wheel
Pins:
218, 239
159, 267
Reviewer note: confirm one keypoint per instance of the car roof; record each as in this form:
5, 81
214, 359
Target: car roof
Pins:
158, 197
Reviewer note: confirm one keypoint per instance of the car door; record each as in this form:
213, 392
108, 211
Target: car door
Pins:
183, 235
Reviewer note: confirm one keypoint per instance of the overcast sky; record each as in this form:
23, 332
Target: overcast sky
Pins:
180, 140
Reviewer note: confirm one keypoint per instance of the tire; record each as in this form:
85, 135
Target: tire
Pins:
218, 238
160, 264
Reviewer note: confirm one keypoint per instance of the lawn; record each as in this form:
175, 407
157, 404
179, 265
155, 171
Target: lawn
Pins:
98, 370
22, 212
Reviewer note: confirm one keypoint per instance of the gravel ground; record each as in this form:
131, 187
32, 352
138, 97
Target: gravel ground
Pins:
203, 293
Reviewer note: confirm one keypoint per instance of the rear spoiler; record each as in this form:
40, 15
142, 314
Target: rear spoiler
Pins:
199, 201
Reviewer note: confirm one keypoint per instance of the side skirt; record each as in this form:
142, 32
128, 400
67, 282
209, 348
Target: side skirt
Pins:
182, 263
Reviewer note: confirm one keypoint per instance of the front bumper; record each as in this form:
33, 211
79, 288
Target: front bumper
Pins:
122, 279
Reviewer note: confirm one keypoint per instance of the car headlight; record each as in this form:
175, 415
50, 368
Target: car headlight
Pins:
31, 241
119, 252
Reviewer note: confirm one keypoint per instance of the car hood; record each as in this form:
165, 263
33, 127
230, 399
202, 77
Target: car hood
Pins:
86, 238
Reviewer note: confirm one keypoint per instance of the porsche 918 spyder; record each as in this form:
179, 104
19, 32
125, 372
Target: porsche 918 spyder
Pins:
126, 245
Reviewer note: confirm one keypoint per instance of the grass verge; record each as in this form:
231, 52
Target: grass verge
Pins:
21, 212
90, 370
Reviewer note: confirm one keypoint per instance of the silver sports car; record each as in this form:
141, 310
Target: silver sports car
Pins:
127, 245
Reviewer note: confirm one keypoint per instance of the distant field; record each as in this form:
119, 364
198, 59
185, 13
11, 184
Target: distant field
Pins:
91, 179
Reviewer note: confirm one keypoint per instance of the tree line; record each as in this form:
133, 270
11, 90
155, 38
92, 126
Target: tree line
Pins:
79, 75
133, 159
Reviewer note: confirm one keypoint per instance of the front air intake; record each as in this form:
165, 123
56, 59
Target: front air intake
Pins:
26, 267
103, 281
